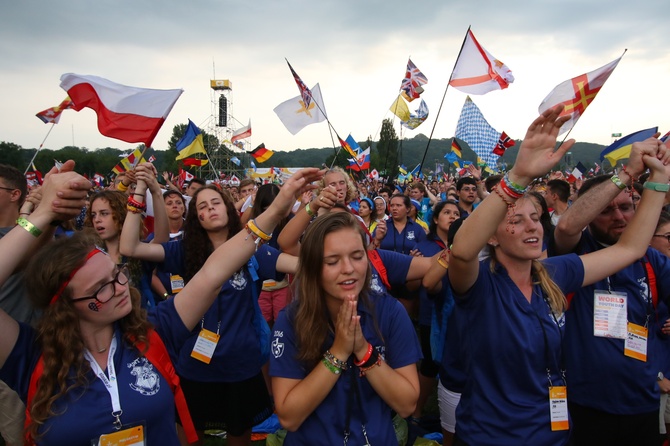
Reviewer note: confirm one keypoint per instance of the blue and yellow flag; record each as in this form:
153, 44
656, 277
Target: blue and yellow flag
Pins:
191, 143
620, 149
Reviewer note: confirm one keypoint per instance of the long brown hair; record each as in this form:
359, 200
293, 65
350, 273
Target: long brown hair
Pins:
58, 331
312, 320
197, 245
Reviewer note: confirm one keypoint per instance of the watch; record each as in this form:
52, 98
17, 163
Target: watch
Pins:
660, 376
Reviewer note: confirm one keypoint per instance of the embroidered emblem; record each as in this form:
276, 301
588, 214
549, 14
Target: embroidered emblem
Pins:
147, 381
277, 348
238, 281
410, 235
375, 285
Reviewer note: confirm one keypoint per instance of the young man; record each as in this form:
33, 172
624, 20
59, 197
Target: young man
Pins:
467, 194
557, 195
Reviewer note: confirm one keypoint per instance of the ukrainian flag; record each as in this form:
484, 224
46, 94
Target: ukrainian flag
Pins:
191, 143
620, 149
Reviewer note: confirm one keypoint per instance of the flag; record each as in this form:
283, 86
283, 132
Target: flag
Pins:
411, 84
473, 128
663, 138
296, 116
127, 113
456, 148
345, 145
504, 143
261, 154
353, 144
184, 177
361, 162
191, 143
415, 173
305, 93
620, 149
152, 159
577, 172
477, 71
452, 158
34, 178
373, 175
99, 179
577, 93
253, 165
52, 115
195, 162
417, 118
234, 181
400, 109
597, 168
235, 160
129, 162
402, 169
241, 133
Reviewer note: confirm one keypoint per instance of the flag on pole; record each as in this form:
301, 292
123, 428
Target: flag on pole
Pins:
477, 71
577, 172
129, 162
52, 115
261, 154
400, 109
345, 145
305, 93
621, 148
418, 117
473, 128
361, 162
577, 93
253, 165
456, 148
191, 143
34, 178
241, 133
195, 162
235, 160
296, 116
99, 179
411, 84
504, 143
353, 144
127, 113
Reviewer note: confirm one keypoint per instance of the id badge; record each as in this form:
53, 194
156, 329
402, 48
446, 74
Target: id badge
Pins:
204, 347
127, 436
176, 283
636, 342
610, 314
558, 406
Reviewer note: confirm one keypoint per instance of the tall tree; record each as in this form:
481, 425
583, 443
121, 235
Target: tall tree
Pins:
387, 147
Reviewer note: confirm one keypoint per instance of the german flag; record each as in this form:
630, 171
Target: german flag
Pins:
456, 148
261, 154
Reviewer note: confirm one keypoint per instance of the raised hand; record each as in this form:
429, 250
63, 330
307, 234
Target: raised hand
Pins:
299, 182
536, 155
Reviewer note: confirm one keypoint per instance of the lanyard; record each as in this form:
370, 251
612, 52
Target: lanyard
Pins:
354, 394
110, 383
547, 354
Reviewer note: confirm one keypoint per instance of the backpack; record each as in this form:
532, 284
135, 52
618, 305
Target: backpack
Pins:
157, 355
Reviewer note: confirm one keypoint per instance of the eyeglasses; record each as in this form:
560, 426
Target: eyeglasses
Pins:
624, 208
665, 236
106, 292
8, 188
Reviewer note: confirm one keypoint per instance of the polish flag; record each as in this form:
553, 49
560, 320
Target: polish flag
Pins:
130, 114
242, 133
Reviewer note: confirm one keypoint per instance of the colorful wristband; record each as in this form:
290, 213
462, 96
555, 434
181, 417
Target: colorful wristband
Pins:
309, 210
658, 187
616, 180
31, 228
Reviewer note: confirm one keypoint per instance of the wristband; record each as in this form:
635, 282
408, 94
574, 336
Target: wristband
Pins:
309, 210
442, 262
251, 224
31, 228
122, 187
658, 187
331, 367
365, 359
616, 180
515, 187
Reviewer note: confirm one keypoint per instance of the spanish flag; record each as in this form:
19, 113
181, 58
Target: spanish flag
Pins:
261, 154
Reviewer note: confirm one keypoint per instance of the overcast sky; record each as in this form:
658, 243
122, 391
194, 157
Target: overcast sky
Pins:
356, 50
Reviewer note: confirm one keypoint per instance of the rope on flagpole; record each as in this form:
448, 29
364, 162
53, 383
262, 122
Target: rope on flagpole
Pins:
430, 138
39, 148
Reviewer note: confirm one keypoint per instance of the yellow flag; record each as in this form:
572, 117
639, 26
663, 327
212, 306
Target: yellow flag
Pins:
400, 109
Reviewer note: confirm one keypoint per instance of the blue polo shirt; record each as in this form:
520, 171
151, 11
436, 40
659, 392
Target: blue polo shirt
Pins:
399, 347
397, 267
510, 344
85, 413
403, 241
237, 356
601, 376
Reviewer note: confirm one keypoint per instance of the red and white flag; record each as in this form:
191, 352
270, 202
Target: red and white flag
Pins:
577, 93
130, 114
52, 115
504, 143
242, 133
477, 71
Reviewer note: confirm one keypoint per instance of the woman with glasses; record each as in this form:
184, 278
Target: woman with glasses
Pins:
95, 379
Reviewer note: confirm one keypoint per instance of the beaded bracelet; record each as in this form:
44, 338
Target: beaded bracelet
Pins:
309, 210
328, 356
133, 209
137, 204
28, 226
331, 367
625, 170
510, 208
368, 353
616, 180
253, 227
377, 363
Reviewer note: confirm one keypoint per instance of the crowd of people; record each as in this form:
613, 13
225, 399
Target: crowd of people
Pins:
537, 310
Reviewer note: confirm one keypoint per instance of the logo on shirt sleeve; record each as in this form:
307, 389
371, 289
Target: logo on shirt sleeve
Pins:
277, 348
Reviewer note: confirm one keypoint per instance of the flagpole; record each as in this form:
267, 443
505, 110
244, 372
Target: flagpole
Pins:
430, 138
39, 148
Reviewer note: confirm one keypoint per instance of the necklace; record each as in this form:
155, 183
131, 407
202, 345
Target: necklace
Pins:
102, 350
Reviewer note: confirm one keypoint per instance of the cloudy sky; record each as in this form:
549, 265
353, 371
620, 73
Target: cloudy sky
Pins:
356, 50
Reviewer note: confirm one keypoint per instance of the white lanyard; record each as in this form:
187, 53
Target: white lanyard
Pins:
110, 383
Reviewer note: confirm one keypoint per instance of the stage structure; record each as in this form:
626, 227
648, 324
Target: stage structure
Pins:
221, 124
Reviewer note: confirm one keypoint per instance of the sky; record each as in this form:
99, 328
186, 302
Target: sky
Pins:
357, 50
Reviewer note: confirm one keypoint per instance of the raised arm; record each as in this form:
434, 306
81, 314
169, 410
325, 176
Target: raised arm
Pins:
130, 244
536, 157
199, 293
634, 241
147, 172
568, 232
63, 196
